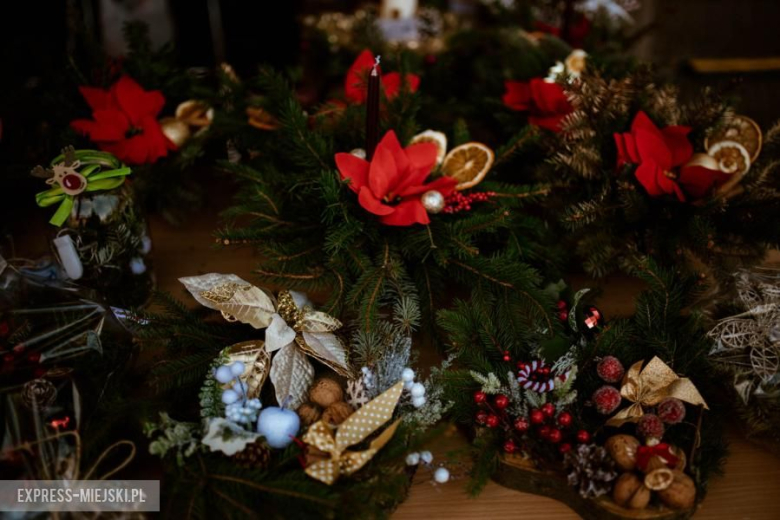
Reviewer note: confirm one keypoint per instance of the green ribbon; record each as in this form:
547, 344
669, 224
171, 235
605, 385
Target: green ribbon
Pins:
98, 179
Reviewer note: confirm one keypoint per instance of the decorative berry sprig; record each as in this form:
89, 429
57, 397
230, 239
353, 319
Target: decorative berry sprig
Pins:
457, 201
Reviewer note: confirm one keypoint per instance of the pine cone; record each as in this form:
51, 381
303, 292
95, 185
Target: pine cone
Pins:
590, 469
255, 456
356, 393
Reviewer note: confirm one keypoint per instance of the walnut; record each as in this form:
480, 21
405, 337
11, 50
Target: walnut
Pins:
309, 413
337, 413
681, 493
326, 391
631, 492
622, 449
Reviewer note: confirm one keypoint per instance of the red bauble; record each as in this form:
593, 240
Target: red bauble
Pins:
507, 357
562, 306
39, 372
521, 424
492, 421
671, 410
537, 417
606, 399
563, 315
480, 397
544, 432
564, 419
8, 358
555, 436
501, 401
564, 448
610, 369
520, 365
548, 409
650, 426
481, 417
34, 357
583, 437
510, 446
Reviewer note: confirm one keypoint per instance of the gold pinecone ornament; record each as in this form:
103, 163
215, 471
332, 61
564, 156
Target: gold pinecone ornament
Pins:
255, 456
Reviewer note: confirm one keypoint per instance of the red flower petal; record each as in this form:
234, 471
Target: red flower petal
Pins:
353, 168
626, 148
517, 95
422, 159
109, 125
549, 98
651, 147
402, 164
407, 213
136, 102
157, 143
97, 98
371, 204
676, 138
647, 174
383, 171
392, 83
444, 185
356, 82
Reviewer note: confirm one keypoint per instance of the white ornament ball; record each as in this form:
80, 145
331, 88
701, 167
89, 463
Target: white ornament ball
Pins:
418, 402
407, 375
432, 201
237, 368
426, 456
278, 426
441, 475
224, 374
137, 265
418, 390
408, 385
229, 396
413, 459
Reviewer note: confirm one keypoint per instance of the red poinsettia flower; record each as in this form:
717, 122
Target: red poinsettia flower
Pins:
356, 82
391, 185
658, 152
124, 121
545, 102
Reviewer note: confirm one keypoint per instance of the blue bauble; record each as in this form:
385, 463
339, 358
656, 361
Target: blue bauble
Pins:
237, 368
224, 375
229, 396
278, 426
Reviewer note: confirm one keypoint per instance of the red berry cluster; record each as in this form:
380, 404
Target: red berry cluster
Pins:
563, 310
19, 355
542, 422
457, 201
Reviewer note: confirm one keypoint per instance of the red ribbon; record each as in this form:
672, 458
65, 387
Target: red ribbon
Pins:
663, 450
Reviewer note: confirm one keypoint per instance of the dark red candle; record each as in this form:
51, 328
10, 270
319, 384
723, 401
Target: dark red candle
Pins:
372, 111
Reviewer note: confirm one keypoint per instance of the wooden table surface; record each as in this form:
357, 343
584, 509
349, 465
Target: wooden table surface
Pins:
749, 490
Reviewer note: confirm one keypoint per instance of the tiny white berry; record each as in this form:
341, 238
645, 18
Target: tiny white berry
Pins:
441, 475
413, 459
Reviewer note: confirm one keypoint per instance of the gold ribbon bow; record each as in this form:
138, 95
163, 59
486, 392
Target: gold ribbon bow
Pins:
355, 429
650, 386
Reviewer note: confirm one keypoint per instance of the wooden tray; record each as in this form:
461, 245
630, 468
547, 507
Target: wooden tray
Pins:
518, 473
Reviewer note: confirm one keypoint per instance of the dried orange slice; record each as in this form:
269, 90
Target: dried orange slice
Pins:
438, 139
468, 164
741, 129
